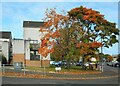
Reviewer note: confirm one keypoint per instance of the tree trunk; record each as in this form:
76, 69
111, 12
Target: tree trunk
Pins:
83, 62
68, 64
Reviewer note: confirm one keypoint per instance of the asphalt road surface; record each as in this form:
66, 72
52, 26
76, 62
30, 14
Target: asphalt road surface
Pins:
107, 69
7, 80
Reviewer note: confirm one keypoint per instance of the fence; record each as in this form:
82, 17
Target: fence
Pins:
20, 70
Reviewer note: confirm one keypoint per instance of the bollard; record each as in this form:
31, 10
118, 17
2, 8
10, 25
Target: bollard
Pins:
100, 68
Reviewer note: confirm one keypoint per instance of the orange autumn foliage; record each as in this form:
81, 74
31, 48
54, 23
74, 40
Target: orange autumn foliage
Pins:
96, 44
44, 47
51, 24
44, 42
80, 25
55, 34
88, 14
88, 47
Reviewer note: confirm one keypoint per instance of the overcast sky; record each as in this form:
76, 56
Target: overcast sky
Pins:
14, 13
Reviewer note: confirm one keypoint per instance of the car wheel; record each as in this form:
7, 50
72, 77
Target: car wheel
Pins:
117, 65
112, 65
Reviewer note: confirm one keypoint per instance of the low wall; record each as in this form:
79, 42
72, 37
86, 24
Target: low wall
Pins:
33, 63
18, 58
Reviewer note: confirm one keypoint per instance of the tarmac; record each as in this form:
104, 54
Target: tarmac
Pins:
108, 73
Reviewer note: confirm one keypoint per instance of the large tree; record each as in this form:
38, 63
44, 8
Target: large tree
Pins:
96, 30
50, 32
94, 26
82, 29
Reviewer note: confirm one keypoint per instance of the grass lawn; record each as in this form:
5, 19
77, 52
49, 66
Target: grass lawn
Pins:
52, 68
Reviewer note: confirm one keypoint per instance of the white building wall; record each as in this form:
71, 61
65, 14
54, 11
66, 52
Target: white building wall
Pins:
27, 50
5, 49
0, 47
33, 34
18, 46
4, 39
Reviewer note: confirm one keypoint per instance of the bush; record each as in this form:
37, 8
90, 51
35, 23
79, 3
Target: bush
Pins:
118, 58
3, 59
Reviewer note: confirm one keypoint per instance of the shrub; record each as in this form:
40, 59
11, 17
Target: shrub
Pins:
118, 58
3, 59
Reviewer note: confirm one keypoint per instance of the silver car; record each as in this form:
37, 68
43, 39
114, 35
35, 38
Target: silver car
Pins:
114, 63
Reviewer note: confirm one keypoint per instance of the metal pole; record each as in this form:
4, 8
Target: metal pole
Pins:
3, 68
24, 64
44, 71
101, 46
101, 57
24, 69
102, 66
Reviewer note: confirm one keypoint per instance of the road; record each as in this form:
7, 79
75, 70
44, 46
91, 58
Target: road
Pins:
107, 70
7, 80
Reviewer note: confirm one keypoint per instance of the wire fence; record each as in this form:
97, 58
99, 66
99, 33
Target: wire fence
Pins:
22, 70
18, 69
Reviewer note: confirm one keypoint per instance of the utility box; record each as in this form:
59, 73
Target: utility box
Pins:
17, 65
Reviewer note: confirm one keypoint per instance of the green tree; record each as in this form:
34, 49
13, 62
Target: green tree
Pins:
81, 29
118, 59
95, 28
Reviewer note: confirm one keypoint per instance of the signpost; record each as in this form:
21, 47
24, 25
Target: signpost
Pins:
18, 66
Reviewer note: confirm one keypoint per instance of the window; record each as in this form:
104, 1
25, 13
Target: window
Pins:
34, 41
34, 55
34, 47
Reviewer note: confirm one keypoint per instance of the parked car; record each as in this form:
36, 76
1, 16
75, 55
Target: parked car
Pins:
109, 63
57, 64
117, 64
78, 63
52, 62
64, 63
86, 64
114, 63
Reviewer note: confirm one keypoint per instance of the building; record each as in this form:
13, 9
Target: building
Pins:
119, 40
6, 45
26, 50
18, 50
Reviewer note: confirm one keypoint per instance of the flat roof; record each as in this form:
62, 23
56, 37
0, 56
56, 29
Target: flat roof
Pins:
17, 39
33, 24
5, 34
